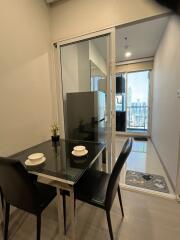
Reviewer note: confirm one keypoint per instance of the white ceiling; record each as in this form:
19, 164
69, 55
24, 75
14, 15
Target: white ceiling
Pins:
142, 39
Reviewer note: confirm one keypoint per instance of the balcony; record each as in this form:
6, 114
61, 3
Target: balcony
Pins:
137, 118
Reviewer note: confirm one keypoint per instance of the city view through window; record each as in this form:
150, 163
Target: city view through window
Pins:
137, 100
134, 101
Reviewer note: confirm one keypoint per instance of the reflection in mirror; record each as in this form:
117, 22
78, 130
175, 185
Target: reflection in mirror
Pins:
98, 79
84, 76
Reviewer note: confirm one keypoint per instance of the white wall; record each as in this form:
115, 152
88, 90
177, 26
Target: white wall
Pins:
140, 66
25, 96
83, 66
96, 57
75, 67
166, 105
75, 17
69, 62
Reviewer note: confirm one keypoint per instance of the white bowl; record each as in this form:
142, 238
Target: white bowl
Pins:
35, 157
79, 148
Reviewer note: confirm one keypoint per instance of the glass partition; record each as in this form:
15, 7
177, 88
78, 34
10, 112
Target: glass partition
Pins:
84, 75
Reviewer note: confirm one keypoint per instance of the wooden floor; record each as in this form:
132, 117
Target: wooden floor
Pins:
146, 218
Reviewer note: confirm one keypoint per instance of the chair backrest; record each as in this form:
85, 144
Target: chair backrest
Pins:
16, 185
115, 175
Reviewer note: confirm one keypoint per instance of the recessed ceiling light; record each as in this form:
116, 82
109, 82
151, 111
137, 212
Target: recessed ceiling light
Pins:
128, 54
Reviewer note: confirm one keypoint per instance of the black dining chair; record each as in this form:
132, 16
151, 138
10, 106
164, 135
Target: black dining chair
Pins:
20, 191
99, 188
33, 178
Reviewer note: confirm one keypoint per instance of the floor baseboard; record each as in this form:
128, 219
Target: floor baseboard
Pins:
147, 191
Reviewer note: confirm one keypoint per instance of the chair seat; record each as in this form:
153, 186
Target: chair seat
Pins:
46, 194
92, 188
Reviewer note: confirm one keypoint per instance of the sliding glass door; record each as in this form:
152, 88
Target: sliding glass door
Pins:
84, 89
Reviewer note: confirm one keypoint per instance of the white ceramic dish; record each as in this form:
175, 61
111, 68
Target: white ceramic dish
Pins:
79, 153
35, 157
31, 163
79, 148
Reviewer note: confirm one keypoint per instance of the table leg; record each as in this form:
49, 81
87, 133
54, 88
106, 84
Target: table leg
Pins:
72, 214
100, 161
109, 158
106, 159
59, 209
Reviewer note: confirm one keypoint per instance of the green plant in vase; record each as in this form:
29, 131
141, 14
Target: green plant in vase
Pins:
55, 132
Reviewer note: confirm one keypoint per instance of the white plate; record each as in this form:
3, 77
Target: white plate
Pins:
30, 163
79, 154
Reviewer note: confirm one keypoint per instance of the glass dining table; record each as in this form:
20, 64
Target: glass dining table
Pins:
62, 169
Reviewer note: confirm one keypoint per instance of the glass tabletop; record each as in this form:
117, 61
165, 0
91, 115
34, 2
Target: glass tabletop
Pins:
60, 164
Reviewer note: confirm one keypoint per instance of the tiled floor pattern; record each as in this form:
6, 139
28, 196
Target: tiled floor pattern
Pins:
143, 158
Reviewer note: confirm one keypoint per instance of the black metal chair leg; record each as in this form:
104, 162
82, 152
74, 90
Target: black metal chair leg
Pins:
6, 220
64, 212
38, 227
120, 201
109, 224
